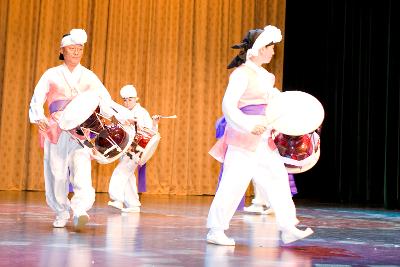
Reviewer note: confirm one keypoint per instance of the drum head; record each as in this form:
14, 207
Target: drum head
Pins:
295, 113
79, 110
150, 149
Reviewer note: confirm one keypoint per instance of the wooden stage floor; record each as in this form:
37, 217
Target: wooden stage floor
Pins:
170, 231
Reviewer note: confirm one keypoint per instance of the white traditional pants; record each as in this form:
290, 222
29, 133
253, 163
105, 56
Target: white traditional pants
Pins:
123, 186
258, 199
66, 162
269, 173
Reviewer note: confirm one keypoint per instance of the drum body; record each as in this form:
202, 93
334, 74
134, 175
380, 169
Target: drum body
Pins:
296, 118
107, 138
299, 153
112, 139
145, 144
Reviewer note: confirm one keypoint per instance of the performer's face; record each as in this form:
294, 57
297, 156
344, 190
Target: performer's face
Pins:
72, 54
266, 53
130, 102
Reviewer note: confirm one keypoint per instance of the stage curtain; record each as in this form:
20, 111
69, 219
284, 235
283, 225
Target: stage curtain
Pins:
175, 52
350, 61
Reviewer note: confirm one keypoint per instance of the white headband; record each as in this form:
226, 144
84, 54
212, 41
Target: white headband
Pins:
128, 91
270, 35
75, 37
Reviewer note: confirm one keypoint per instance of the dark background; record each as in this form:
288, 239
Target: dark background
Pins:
346, 53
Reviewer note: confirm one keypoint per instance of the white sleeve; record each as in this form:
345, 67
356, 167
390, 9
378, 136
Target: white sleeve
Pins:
121, 113
97, 84
145, 119
36, 110
108, 106
237, 85
272, 92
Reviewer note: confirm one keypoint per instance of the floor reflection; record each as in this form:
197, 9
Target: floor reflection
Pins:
170, 231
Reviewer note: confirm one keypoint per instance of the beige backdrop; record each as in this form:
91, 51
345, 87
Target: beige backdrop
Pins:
174, 51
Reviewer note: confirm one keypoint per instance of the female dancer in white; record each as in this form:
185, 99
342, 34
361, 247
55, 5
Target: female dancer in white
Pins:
246, 149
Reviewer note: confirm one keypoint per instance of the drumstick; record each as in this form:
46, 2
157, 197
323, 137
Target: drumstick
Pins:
168, 117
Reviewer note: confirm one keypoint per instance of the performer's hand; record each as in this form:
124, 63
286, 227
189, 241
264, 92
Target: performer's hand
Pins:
259, 129
136, 157
156, 119
131, 121
43, 125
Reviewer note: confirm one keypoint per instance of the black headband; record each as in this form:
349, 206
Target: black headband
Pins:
245, 45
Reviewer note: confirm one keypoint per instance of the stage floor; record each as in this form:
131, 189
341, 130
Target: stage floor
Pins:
170, 231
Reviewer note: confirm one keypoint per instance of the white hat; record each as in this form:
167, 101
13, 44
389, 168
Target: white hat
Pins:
75, 37
270, 35
128, 91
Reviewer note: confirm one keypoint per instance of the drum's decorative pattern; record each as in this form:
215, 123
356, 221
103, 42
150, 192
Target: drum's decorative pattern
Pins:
299, 153
294, 147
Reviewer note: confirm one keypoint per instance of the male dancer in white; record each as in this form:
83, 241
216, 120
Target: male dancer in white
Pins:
122, 189
246, 148
64, 159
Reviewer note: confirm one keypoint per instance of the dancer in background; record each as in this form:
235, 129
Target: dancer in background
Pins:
122, 189
260, 205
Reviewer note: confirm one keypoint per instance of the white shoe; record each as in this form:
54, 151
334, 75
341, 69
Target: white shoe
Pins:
80, 221
294, 234
257, 208
218, 237
254, 208
61, 220
131, 210
116, 204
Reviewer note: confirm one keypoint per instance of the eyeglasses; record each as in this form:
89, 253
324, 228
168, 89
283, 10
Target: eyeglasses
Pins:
129, 99
75, 49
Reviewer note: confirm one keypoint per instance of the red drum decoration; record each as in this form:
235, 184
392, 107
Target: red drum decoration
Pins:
145, 143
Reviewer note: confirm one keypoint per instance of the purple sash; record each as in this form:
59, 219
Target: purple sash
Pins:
220, 125
58, 105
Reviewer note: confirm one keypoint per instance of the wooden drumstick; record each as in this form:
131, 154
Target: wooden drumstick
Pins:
168, 117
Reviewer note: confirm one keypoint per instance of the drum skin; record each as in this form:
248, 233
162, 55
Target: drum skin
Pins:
79, 109
114, 132
294, 113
